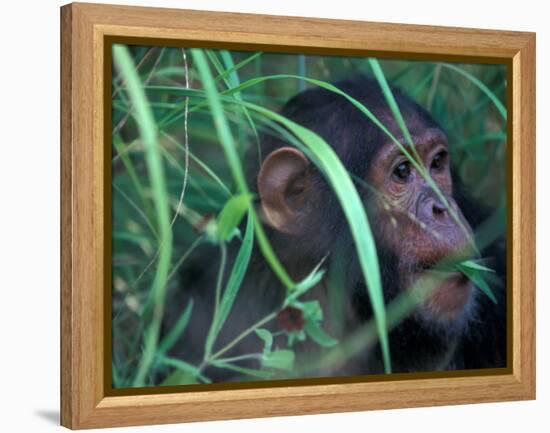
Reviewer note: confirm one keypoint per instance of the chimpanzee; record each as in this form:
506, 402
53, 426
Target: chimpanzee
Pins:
456, 327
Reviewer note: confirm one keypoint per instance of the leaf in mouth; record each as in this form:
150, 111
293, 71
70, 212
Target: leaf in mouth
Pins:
474, 271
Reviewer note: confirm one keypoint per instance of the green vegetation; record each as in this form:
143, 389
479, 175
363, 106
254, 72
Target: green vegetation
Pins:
183, 121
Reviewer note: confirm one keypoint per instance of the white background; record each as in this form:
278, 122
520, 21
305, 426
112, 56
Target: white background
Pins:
29, 215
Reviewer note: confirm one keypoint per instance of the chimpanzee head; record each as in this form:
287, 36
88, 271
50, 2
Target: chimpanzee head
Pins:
416, 228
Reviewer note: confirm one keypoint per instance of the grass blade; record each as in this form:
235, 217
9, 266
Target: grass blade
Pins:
238, 66
234, 81
396, 112
185, 367
475, 276
243, 370
153, 159
314, 330
232, 157
233, 285
127, 161
231, 215
177, 330
355, 213
222, 127
339, 179
200, 163
379, 74
476, 266
499, 106
282, 359
302, 71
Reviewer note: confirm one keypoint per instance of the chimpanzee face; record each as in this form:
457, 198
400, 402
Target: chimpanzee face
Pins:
410, 219
414, 223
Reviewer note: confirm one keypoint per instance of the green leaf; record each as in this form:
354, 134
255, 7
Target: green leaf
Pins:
280, 359
234, 81
232, 214
233, 284
380, 77
243, 370
475, 276
474, 265
121, 149
314, 330
184, 367
200, 163
233, 77
220, 122
312, 310
232, 70
233, 160
416, 160
296, 336
494, 99
314, 277
310, 281
153, 159
267, 338
335, 172
179, 377
177, 329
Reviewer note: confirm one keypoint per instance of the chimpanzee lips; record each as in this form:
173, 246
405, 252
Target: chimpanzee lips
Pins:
449, 290
438, 272
422, 267
447, 264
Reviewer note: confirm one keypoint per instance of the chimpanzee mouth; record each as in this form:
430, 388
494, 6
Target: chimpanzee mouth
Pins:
444, 268
449, 290
445, 272
439, 273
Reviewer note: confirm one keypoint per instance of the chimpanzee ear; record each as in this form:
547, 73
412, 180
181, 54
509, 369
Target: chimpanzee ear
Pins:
284, 187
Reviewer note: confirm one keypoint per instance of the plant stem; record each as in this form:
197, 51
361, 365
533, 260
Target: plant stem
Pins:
242, 335
240, 357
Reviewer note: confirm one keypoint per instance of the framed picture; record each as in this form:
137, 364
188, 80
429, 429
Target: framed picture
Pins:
267, 216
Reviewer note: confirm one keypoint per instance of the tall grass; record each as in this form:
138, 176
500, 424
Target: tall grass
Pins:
148, 133
191, 125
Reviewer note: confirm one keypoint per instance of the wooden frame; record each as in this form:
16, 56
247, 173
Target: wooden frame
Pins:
85, 27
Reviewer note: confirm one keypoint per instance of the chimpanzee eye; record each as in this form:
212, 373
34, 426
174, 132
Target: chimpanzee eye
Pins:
438, 161
402, 171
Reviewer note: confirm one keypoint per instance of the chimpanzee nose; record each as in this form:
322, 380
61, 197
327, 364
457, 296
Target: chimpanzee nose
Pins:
431, 209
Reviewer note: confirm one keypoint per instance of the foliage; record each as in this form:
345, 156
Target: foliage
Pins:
183, 121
